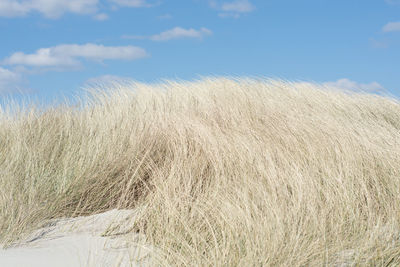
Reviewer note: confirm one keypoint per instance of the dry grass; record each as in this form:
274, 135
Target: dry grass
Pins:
229, 172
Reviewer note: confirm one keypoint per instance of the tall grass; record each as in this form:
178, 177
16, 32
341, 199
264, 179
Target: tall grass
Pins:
228, 172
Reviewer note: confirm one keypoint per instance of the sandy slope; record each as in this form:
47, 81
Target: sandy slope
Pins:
79, 242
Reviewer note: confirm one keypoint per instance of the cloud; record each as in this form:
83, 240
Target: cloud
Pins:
101, 17
178, 32
347, 84
68, 55
9, 80
379, 43
107, 80
49, 8
391, 27
393, 2
132, 3
175, 33
165, 17
232, 9
56, 8
238, 6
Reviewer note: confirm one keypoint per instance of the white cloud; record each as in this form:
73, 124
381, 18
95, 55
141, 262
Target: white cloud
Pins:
107, 80
379, 43
56, 8
178, 32
175, 33
229, 15
165, 17
239, 6
9, 80
49, 8
347, 84
393, 2
101, 17
131, 3
391, 27
232, 9
10, 8
67, 55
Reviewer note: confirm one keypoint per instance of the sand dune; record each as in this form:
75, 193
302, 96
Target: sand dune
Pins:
81, 242
230, 172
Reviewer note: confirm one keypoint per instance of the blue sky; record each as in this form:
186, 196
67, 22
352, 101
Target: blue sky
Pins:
50, 49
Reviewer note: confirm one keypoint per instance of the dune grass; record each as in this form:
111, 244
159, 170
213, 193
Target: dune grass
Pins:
228, 172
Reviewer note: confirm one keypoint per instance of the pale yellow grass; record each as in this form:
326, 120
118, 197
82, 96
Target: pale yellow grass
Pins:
228, 172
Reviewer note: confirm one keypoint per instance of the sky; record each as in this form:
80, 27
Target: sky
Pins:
51, 49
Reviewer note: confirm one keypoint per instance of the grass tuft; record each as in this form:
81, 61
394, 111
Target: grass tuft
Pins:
229, 172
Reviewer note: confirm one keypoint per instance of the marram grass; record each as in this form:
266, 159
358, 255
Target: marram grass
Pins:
228, 172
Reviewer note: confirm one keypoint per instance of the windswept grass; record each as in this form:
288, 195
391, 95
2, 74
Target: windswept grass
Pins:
228, 172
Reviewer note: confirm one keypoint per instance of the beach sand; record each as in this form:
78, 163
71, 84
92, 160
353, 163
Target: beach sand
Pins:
81, 241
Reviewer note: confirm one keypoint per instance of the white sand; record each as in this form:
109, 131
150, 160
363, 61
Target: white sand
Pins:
79, 242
